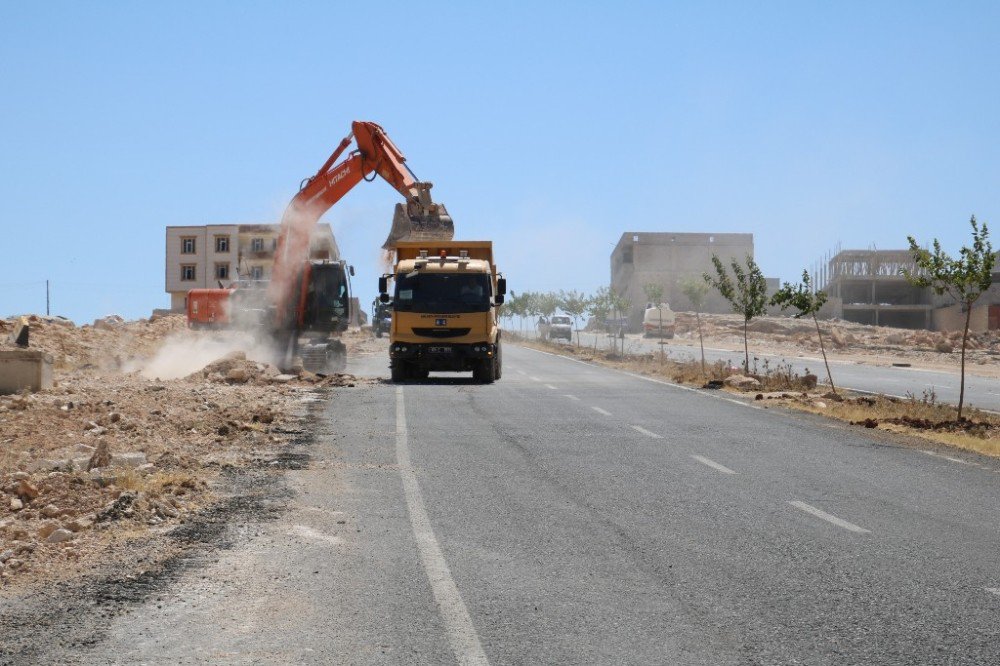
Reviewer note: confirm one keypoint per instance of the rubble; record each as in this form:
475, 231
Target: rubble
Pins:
108, 451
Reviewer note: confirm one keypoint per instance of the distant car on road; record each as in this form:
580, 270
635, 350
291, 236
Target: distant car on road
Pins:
560, 326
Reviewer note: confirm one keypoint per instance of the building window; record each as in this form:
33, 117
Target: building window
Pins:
627, 256
256, 272
187, 273
222, 271
187, 245
222, 244
257, 245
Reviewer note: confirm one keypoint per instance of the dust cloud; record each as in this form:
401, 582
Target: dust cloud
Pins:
184, 353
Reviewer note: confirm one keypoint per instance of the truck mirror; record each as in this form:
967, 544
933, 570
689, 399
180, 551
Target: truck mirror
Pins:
383, 297
383, 286
351, 269
498, 299
501, 286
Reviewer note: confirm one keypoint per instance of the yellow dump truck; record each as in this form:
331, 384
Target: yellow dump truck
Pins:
445, 302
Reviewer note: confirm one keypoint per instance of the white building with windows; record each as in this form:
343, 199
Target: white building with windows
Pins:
215, 255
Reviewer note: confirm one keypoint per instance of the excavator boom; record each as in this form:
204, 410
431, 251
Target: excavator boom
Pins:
420, 218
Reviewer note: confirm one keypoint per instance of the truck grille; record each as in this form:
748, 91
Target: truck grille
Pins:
441, 332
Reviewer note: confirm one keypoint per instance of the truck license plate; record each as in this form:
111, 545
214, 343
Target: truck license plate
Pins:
439, 350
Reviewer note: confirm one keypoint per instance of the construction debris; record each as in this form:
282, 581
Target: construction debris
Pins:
107, 449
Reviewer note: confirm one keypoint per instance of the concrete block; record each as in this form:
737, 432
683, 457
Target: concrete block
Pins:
22, 369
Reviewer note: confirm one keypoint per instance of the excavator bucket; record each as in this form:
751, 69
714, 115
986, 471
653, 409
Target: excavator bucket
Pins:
422, 225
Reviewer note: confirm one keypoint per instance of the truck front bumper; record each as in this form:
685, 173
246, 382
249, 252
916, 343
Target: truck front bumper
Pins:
441, 356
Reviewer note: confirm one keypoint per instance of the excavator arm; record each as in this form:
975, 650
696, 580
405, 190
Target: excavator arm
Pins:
419, 219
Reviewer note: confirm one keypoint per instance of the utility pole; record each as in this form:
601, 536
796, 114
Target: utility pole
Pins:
46, 298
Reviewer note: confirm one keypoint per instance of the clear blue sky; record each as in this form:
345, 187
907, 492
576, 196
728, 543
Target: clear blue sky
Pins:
548, 127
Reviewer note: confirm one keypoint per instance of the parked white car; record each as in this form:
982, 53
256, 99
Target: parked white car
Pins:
561, 326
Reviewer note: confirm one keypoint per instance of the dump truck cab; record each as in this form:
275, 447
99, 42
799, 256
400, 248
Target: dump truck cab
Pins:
444, 310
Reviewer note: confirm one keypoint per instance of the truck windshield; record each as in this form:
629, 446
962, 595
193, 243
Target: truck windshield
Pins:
444, 293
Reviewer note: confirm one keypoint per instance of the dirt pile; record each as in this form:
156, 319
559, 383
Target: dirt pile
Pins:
109, 451
786, 335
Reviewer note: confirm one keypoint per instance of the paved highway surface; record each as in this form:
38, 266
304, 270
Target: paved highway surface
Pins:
572, 514
878, 377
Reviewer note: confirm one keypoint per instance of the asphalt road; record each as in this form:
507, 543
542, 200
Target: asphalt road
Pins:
572, 514
879, 376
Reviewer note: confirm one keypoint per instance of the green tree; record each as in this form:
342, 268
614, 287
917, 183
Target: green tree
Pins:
696, 290
574, 303
654, 292
514, 307
964, 278
599, 308
747, 294
807, 301
547, 303
620, 305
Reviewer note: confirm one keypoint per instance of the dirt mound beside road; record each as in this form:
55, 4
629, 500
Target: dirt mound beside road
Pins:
167, 441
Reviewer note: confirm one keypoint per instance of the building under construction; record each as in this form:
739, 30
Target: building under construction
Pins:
868, 287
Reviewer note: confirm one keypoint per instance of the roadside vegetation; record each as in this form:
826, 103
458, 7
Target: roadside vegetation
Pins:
964, 279
746, 292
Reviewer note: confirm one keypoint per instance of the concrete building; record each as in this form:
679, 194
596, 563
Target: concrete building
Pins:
199, 257
666, 258
867, 287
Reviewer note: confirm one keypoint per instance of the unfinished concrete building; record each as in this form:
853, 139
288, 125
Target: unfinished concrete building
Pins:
666, 258
867, 287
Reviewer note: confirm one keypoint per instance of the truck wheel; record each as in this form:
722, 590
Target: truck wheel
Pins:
484, 371
498, 363
378, 332
399, 372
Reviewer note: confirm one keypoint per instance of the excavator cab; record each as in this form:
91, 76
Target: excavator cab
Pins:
326, 302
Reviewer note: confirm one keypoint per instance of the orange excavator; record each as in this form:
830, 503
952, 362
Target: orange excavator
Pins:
308, 302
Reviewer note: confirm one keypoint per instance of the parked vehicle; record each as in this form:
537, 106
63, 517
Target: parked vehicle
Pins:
560, 326
381, 317
617, 325
658, 321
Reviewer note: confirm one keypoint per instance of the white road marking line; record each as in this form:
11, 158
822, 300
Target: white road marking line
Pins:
993, 590
534, 379
714, 465
520, 371
808, 508
315, 535
457, 623
646, 432
571, 397
948, 458
601, 411
551, 387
